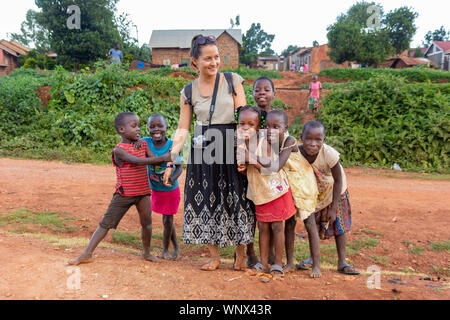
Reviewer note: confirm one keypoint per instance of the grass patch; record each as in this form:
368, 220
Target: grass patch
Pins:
439, 246
32, 221
364, 243
128, 239
410, 175
381, 260
376, 234
416, 250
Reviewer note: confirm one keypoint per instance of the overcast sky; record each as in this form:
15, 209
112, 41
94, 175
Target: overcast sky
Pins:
292, 21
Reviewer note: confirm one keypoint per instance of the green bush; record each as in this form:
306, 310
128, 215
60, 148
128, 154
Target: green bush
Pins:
385, 120
248, 73
411, 74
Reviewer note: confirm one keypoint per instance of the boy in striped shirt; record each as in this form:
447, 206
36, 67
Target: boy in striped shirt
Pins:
132, 187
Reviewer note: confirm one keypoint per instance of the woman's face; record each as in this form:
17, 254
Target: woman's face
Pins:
209, 60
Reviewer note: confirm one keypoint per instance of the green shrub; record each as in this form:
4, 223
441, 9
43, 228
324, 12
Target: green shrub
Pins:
384, 121
411, 74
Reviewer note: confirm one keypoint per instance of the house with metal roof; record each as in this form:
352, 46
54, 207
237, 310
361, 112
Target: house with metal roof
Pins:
439, 53
9, 54
171, 47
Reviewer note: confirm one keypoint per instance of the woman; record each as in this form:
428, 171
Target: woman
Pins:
216, 211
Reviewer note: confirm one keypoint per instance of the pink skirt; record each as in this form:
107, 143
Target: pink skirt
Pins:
279, 209
166, 203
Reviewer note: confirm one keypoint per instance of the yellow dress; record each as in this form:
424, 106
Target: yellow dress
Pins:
303, 184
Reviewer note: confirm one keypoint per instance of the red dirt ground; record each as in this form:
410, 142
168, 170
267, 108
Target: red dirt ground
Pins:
34, 269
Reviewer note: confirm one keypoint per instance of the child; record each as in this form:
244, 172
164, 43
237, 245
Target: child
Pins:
132, 187
269, 191
333, 209
314, 93
263, 94
165, 198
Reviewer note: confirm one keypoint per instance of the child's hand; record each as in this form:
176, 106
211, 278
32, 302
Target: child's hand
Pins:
242, 167
137, 144
331, 214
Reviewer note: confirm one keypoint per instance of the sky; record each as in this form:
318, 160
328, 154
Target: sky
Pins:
293, 22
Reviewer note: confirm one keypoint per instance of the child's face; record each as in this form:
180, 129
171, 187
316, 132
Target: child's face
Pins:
130, 130
314, 79
248, 124
157, 128
313, 140
263, 93
276, 127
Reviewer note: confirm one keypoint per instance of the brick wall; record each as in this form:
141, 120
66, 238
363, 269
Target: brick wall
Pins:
320, 60
175, 55
228, 49
7, 63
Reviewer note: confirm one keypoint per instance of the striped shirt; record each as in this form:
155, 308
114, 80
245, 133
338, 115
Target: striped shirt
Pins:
132, 180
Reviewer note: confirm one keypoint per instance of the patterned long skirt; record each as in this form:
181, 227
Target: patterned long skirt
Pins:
216, 210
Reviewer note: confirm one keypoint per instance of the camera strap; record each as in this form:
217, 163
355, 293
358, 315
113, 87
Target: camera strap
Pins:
213, 101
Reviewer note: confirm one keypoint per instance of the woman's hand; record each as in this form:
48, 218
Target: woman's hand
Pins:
167, 174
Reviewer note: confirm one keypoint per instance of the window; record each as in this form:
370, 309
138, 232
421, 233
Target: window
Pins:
225, 60
185, 61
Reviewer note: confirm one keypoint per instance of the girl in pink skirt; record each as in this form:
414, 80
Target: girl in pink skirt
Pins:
165, 197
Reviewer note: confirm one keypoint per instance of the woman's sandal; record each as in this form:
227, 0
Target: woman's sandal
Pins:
304, 265
276, 271
349, 270
211, 266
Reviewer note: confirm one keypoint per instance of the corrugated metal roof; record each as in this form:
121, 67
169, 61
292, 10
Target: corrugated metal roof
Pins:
16, 47
182, 38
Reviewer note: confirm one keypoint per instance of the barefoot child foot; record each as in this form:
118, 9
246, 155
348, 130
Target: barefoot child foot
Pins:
149, 257
80, 260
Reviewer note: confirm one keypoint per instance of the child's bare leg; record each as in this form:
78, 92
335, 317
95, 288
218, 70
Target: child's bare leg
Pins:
176, 250
289, 238
144, 208
271, 248
278, 240
340, 246
167, 236
252, 259
264, 235
214, 263
314, 245
86, 257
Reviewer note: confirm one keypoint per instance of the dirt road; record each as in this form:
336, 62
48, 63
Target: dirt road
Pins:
400, 213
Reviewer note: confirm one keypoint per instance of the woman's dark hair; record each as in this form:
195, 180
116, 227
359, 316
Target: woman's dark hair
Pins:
262, 115
198, 42
264, 78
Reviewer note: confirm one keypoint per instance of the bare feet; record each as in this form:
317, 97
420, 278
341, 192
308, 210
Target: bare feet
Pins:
84, 258
211, 266
149, 257
176, 254
315, 273
166, 255
239, 263
289, 268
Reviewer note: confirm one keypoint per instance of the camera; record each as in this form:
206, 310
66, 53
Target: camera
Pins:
199, 142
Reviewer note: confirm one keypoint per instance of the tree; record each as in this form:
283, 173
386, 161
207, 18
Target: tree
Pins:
315, 43
289, 49
401, 28
368, 37
97, 35
418, 53
32, 34
436, 35
254, 42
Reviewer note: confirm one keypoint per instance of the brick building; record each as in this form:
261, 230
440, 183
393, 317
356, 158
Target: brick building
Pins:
317, 59
171, 47
9, 54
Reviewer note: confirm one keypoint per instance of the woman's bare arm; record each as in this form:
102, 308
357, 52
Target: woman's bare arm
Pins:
184, 124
